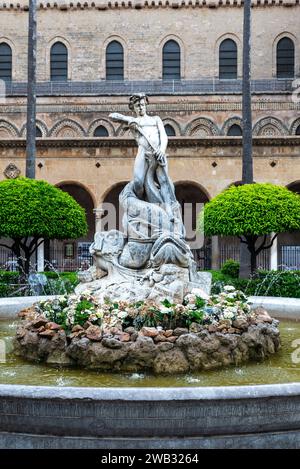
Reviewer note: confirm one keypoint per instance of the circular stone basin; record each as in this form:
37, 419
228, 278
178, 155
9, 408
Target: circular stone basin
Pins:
159, 412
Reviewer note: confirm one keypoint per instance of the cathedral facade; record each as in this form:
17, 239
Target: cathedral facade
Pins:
187, 57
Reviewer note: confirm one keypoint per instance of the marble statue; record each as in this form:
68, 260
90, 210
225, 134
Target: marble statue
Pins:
150, 258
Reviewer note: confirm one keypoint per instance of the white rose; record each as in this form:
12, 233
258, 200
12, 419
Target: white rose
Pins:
229, 288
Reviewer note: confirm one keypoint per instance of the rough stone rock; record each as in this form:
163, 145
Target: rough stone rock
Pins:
104, 358
160, 338
168, 332
111, 343
172, 339
94, 333
240, 323
228, 340
130, 330
195, 327
262, 315
28, 313
203, 350
27, 345
141, 354
149, 331
180, 331
53, 326
38, 322
77, 334
77, 349
77, 328
48, 334
171, 362
59, 358
134, 336
165, 346
124, 337
115, 330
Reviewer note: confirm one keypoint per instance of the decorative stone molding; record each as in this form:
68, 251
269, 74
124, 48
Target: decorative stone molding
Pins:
202, 127
67, 128
40, 124
7, 129
174, 124
269, 127
123, 131
103, 122
295, 126
11, 171
178, 142
230, 122
138, 4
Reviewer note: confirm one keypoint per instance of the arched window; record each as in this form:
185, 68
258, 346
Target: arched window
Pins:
285, 58
228, 60
38, 132
170, 131
171, 61
58, 62
235, 131
100, 131
298, 130
5, 62
114, 61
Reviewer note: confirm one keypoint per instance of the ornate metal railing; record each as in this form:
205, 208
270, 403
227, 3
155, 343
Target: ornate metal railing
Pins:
152, 87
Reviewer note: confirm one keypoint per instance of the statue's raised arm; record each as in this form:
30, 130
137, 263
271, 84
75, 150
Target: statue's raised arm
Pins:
116, 117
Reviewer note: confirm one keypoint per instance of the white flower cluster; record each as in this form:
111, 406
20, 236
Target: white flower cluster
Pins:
229, 305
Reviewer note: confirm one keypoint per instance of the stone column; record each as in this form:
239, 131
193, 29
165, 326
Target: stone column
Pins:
40, 258
98, 214
274, 254
215, 253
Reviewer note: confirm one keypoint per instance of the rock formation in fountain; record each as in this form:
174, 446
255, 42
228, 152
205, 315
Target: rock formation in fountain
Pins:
150, 259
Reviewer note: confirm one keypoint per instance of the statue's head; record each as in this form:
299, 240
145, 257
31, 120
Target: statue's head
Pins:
138, 103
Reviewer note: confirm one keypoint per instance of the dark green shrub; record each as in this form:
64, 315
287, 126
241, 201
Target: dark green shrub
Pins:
231, 268
264, 283
32, 210
252, 212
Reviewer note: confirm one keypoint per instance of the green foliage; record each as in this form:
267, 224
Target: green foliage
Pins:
58, 284
30, 207
264, 283
251, 209
231, 268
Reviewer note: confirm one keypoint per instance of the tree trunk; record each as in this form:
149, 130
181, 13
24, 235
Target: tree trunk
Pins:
31, 93
253, 261
247, 176
247, 160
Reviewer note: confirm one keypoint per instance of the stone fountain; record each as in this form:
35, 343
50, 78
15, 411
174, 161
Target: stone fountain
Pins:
150, 259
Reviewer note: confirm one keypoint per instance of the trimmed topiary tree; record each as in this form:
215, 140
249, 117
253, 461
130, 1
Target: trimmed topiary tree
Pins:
251, 211
32, 210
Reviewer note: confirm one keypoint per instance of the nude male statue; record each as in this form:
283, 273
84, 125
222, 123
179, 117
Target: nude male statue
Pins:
150, 168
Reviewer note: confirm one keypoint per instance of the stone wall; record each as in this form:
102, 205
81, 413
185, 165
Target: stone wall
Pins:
143, 31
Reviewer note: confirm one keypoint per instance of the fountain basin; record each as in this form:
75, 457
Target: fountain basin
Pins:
265, 416
169, 415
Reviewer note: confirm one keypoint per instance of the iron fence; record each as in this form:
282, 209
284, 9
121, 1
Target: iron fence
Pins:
232, 251
151, 87
289, 258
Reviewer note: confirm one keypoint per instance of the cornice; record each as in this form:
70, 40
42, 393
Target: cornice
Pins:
139, 4
179, 108
174, 142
